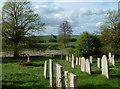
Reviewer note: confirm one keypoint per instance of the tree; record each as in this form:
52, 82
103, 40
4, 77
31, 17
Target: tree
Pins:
110, 33
64, 33
87, 44
19, 21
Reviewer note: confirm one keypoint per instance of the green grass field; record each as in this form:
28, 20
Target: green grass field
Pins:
15, 76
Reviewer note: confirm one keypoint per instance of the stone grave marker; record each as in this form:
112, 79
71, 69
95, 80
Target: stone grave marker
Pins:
98, 62
66, 79
45, 69
73, 66
51, 72
113, 60
110, 57
77, 61
67, 58
105, 67
91, 58
88, 66
72, 81
83, 64
59, 76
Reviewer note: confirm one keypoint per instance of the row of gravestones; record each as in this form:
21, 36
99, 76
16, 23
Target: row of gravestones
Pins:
86, 63
63, 78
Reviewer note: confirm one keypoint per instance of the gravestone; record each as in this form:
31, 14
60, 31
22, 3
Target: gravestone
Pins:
67, 58
73, 66
91, 58
28, 58
59, 76
88, 66
77, 60
66, 79
45, 69
72, 81
105, 67
83, 64
110, 57
113, 60
98, 62
51, 72
70, 58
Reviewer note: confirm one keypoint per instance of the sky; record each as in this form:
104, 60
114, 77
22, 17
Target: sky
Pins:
83, 16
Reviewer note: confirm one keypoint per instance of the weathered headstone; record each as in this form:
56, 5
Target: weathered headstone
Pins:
88, 66
45, 69
110, 57
66, 79
28, 58
73, 66
105, 67
113, 60
51, 72
70, 58
77, 60
98, 62
59, 76
72, 81
67, 58
83, 64
91, 58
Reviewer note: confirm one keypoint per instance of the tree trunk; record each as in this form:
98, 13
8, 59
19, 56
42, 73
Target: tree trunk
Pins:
16, 50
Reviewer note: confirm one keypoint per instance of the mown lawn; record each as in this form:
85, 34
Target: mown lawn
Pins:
15, 76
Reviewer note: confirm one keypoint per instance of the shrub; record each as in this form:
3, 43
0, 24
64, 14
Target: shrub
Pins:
87, 44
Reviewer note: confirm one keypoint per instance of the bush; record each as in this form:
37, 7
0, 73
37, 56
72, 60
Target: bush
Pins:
87, 44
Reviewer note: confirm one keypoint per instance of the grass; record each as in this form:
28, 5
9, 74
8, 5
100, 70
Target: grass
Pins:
15, 76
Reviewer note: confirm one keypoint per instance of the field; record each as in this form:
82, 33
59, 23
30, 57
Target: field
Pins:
43, 44
15, 76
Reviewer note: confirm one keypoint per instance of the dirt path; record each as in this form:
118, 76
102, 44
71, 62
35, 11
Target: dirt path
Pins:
32, 53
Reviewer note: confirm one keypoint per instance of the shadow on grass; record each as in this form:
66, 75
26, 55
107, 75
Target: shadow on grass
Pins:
100, 86
32, 59
36, 65
96, 72
115, 76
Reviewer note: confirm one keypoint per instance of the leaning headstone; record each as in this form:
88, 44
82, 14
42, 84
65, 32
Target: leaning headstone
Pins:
72, 81
45, 69
98, 62
77, 60
83, 64
91, 58
67, 58
105, 67
66, 79
59, 76
113, 60
88, 66
110, 57
70, 58
51, 72
28, 58
73, 66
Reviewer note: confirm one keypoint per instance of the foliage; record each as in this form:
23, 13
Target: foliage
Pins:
87, 44
69, 51
19, 21
110, 34
64, 33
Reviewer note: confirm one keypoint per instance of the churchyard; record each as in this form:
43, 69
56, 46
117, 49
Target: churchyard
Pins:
60, 73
